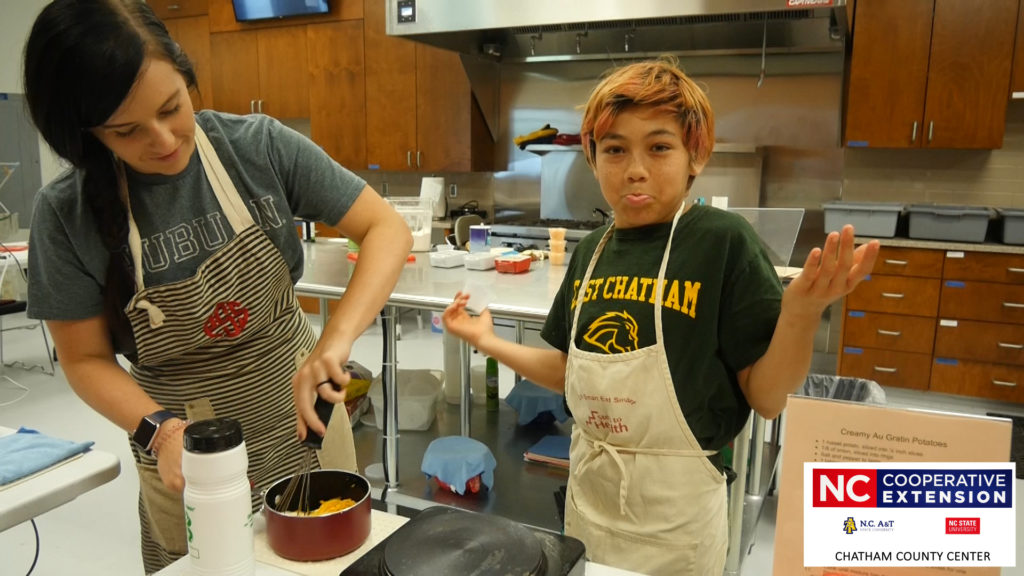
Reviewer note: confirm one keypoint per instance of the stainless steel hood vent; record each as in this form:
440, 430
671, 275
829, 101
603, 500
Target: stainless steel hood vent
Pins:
525, 31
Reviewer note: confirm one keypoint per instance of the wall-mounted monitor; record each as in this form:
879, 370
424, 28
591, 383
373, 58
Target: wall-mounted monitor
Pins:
248, 10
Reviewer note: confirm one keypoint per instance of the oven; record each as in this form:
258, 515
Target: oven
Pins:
533, 234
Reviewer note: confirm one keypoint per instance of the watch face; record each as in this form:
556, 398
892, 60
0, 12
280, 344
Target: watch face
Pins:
146, 432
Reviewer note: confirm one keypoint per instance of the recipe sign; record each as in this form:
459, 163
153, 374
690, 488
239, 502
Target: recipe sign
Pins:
859, 436
909, 514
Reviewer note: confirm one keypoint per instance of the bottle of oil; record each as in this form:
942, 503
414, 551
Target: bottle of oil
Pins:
492, 385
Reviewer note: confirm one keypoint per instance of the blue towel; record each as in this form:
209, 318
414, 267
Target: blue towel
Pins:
455, 459
530, 401
27, 452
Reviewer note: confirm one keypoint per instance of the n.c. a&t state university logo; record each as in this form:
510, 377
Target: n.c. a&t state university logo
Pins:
850, 525
227, 320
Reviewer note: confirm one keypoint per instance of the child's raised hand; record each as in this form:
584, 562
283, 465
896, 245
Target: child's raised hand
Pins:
459, 322
830, 273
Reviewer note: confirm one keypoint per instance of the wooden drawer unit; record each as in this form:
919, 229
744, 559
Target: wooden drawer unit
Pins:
986, 301
179, 8
888, 331
888, 368
980, 341
996, 381
896, 295
985, 267
909, 262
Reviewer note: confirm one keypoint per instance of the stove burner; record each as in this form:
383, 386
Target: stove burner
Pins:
443, 540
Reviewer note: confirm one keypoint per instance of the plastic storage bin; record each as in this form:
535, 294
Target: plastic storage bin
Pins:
950, 223
418, 392
419, 214
868, 218
1013, 225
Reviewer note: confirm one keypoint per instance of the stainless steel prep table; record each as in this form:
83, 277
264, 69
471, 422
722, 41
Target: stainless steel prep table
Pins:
520, 298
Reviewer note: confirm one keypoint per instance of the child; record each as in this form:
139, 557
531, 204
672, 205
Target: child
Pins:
657, 391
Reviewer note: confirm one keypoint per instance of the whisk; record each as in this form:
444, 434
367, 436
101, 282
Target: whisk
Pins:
300, 480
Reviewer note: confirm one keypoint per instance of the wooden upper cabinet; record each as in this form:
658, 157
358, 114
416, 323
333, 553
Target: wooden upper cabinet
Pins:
261, 71
390, 94
284, 72
169, 9
930, 73
337, 92
193, 35
1017, 80
969, 74
421, 114
888, 73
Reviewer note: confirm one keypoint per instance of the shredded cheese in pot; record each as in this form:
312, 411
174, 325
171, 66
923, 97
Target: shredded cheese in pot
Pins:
326, 507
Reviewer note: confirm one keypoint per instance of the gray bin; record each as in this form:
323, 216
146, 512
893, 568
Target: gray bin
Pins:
949, 223
868, 218
842, 388
1013, 225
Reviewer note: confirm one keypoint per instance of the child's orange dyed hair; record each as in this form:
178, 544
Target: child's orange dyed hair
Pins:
658, 83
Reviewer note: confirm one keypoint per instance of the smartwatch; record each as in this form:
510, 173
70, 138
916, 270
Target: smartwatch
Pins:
146, 431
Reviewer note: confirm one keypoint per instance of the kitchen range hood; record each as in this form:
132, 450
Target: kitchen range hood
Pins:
524, 31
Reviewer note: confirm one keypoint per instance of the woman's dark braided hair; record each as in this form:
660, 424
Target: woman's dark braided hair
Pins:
81, 60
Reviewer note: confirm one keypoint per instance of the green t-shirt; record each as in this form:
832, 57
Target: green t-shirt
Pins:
722, 300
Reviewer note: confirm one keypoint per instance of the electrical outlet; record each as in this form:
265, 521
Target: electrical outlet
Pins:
453, 190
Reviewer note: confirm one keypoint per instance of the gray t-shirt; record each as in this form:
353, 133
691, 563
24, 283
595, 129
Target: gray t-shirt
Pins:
279, 174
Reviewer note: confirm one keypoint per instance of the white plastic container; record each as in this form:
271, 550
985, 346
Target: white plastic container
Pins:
418, 393
479, 261
448, 258
218, 500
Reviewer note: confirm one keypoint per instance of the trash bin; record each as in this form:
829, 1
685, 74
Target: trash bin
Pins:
842, 388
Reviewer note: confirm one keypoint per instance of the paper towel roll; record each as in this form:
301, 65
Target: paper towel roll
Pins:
433, 187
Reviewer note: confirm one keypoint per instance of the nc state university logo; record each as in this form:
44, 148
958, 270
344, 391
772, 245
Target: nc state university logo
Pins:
227, 320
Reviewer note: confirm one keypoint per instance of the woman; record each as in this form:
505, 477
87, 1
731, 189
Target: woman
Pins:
670, 325
171, 241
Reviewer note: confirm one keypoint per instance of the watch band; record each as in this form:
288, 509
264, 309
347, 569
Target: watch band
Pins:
146, 431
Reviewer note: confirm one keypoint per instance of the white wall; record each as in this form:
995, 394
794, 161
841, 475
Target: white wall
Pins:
18, 16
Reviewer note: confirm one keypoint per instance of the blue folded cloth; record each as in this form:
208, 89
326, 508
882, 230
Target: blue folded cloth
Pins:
530, 401
455, 459
27, 452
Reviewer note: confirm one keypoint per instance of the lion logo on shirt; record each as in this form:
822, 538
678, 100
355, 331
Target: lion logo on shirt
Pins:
613, 332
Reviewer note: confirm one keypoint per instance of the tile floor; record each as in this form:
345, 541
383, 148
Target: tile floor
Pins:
96, 534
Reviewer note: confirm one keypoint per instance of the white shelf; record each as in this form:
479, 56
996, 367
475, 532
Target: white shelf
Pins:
720, 148
542, 149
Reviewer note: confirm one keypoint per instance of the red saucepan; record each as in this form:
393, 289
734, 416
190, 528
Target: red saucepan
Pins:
311, 538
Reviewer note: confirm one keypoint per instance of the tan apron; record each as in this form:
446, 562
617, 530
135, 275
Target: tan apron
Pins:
228, 338
642, 495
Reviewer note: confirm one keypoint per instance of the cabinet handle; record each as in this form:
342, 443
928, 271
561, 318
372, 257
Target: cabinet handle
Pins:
1015, 270
417, 158
1011, 346
1012, 305
931, 128
913, 132
1003, 383
408, 158
888, 332
891, 295
174, 7
252, 106
884, 369
896, 262
259, 106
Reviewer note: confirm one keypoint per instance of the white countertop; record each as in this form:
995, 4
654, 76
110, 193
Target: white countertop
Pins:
47, 489
382, 525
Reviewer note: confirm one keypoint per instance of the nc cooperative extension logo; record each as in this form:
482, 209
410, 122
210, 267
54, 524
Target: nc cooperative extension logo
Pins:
909, 514
909, 488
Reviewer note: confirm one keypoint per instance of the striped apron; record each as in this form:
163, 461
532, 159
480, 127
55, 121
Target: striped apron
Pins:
231, 335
